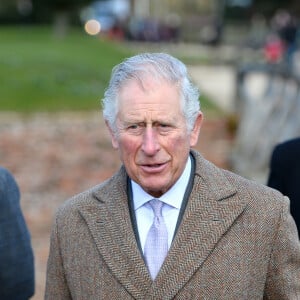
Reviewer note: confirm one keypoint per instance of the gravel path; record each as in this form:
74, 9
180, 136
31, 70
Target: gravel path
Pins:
54, 156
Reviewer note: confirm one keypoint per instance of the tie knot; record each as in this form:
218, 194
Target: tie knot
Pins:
156, 205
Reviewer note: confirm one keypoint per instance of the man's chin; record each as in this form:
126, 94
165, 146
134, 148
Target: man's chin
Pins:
155, 190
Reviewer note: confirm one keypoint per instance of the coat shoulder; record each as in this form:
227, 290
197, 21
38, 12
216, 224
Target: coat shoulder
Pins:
263, 202
245, 189
93, 195
253, 189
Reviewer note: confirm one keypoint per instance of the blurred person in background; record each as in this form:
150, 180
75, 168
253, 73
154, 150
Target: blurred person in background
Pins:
16, 255
286, 26
284, 173
169, 224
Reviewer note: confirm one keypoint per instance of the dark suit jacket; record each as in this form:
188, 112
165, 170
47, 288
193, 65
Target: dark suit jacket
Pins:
16, 256
285, 174
236, 240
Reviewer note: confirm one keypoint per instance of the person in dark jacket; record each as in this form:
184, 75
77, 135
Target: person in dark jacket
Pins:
285, 173
16, 254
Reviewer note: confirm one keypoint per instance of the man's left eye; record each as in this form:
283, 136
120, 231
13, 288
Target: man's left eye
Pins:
134, 126
164, 125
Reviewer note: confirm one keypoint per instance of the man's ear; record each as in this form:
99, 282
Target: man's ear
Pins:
196, 130
114, 140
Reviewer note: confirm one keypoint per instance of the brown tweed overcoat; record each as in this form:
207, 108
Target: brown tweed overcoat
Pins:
237, 240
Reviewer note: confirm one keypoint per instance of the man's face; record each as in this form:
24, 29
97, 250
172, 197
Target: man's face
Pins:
152, 137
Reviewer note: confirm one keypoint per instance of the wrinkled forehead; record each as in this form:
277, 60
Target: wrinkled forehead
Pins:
148, 87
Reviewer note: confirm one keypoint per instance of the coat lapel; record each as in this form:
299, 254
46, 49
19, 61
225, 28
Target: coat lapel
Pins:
212, 208
110, 225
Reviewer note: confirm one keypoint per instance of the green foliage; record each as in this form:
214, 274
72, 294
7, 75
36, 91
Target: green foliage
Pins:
41, 73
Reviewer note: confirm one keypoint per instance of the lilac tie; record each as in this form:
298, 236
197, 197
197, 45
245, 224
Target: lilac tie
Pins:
156, 246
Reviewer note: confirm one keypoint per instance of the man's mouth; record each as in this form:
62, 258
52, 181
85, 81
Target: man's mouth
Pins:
153, 168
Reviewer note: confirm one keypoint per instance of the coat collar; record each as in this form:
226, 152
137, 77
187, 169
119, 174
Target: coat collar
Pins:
212, 208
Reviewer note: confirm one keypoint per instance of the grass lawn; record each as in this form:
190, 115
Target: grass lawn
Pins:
39, 72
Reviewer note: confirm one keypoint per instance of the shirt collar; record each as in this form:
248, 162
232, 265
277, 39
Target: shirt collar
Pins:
172, 197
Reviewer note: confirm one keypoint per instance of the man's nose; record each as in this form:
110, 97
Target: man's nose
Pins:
150, 141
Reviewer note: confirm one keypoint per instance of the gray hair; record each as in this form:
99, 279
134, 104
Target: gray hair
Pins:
160, 66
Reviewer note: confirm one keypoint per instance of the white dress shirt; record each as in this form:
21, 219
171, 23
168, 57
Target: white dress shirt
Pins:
172, 200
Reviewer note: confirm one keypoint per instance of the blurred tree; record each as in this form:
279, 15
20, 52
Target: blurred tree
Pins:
7, 9
59, 12
268, 7
15, 11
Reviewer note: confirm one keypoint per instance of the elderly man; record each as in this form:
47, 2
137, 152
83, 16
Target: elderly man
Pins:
169, 224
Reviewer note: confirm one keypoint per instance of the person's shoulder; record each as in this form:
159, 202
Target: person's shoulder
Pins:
5, 176
84, 198
91, 196
289, 145
219, 178
9, 190
246, 184
3, 171
257, 193
286, 154
68, 211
